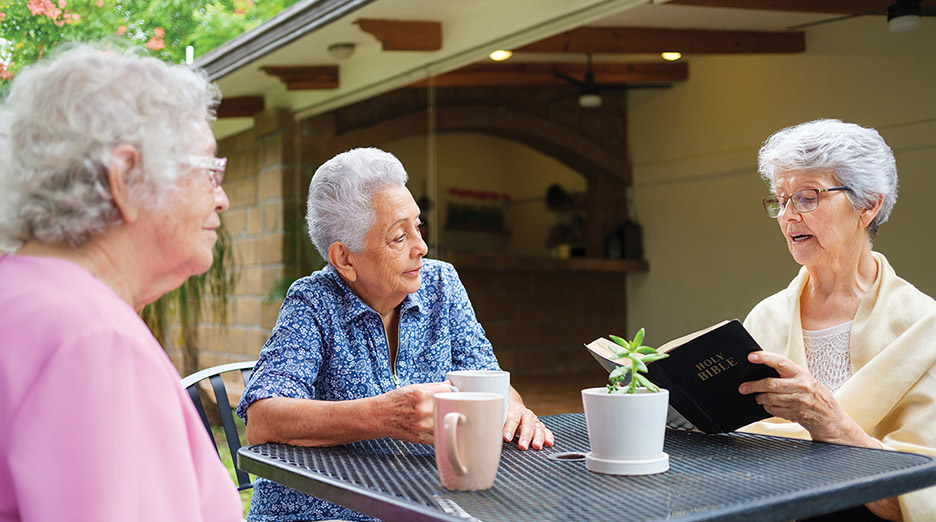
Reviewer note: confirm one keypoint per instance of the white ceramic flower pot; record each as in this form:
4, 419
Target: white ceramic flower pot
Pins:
626, 431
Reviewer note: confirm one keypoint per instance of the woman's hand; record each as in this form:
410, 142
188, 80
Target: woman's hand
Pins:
798, 397
532, 432
407, 412
408, 415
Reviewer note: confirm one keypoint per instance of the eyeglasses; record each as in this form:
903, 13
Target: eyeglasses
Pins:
214, 165
805, 200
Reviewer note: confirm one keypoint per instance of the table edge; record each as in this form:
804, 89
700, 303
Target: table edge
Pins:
373, 503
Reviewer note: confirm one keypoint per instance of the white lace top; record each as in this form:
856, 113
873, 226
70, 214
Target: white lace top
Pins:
828, 356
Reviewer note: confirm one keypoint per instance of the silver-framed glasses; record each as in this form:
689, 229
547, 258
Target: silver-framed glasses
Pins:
214, 166
805, 200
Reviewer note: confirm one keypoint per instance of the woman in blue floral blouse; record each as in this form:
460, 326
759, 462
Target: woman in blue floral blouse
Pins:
361, 346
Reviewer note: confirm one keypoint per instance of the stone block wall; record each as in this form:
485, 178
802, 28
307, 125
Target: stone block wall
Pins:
259, 183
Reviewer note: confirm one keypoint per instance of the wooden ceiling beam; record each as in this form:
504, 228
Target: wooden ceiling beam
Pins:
507, 74
654, 40
404, 35
239, 107
803, 6
299, 78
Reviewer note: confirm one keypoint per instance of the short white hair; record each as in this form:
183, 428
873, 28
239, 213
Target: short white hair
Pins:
339, 206
857, 156
60, 123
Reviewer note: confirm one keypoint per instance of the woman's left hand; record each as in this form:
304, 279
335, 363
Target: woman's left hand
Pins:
798, 397
523, 423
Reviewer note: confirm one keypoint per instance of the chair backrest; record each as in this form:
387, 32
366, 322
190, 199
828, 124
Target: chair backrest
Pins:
213, 374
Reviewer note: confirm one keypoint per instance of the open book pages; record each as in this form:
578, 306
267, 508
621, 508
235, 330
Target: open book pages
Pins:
602, 348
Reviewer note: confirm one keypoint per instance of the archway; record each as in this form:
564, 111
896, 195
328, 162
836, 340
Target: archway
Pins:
584, 141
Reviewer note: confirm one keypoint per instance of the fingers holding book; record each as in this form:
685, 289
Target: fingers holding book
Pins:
798, 397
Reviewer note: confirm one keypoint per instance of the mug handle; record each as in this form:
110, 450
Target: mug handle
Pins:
449, 424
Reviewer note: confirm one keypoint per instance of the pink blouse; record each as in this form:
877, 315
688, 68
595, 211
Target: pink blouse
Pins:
94, 424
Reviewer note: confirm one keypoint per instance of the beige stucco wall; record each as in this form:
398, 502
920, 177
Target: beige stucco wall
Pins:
713, 253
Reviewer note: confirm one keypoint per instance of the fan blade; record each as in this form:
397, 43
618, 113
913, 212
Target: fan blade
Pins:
883, 10
566, 77
628, 86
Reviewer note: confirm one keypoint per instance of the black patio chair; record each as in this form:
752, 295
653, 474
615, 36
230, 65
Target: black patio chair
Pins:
213, 374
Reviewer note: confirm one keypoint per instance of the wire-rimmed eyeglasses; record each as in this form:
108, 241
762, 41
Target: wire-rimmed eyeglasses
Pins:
215, 167
805, 200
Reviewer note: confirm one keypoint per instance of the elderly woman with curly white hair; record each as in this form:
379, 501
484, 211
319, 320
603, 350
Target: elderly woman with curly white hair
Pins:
361, 346
110, 198
853, 342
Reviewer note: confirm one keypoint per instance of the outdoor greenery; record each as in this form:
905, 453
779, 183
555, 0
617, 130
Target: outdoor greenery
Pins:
628, 377
29, 29
186, 303
225, 453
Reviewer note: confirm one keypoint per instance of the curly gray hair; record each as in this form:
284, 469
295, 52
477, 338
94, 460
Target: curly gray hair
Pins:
60, 123
857, 156
339, 205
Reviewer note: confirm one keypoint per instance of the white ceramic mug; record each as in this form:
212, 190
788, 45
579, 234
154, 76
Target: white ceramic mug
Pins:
483, 381
468, 439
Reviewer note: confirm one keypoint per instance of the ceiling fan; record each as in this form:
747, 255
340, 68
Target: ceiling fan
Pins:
589, 96
902, 16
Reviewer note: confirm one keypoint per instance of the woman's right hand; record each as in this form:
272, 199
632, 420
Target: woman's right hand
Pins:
407, 412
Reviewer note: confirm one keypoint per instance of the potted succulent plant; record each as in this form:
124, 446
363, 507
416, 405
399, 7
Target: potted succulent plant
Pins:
627, 418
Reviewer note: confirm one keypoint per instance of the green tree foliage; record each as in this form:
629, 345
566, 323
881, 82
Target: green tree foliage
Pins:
186, 303
29, 29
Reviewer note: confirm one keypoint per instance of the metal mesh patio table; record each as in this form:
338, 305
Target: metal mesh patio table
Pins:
726, 477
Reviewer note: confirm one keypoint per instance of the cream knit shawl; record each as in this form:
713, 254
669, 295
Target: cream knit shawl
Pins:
892, 391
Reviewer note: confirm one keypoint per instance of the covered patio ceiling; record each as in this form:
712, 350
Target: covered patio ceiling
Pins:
286, 62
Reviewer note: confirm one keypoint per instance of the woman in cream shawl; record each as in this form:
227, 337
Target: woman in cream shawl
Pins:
855, 345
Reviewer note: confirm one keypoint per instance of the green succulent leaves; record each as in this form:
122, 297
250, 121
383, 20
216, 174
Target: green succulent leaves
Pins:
638, 357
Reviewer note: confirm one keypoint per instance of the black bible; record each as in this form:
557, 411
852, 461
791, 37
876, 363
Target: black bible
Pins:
702, 373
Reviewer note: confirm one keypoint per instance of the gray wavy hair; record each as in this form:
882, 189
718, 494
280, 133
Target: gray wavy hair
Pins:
339, 206
857, 156
60, 123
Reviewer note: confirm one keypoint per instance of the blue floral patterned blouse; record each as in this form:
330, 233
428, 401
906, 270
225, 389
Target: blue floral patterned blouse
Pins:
329, 345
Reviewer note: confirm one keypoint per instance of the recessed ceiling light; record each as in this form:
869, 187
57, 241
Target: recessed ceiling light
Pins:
671, 56
500, 55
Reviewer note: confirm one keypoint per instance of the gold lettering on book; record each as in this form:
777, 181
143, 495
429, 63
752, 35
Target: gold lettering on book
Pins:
714, 365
